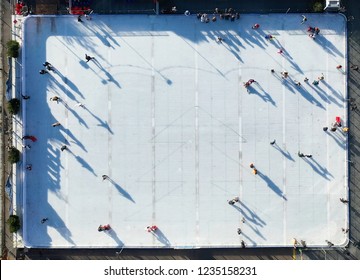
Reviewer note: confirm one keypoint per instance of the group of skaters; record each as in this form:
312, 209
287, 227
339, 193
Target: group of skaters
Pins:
226, 14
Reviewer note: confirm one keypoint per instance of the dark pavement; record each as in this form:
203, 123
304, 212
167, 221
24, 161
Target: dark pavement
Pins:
261, 6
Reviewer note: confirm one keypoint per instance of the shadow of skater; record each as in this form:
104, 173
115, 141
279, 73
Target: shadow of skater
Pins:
83, 163
114, 236
102, 123
121, 190
161, 237
318, 168
271, 184
285, 154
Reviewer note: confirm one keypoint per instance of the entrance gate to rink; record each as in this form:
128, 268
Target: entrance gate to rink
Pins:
89, 6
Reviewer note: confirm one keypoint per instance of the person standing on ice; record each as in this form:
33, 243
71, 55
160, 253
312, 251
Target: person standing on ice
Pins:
104, 227
32, 138
88, 58
255, 26
304, 18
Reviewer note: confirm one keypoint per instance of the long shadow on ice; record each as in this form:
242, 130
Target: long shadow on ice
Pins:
263, 94
308, 96
334, 92
80, 119
161, 237
82, 162
58, 224
285, 154
69, 83
114, 236
271, 184
252, 219
318, 168
338, 138
109, 77
73, 138
121, 190
102, 123
328, 46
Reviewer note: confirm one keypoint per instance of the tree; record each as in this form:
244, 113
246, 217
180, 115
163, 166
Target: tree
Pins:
14, 155
13, 48
318, 7
14, 223
14, 106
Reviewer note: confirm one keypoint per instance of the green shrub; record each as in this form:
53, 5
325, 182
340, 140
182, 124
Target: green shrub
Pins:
13, 48
14, 155
14, 106
318, 7
14, 223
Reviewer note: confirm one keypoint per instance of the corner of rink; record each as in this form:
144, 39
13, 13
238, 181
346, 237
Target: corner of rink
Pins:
174, 118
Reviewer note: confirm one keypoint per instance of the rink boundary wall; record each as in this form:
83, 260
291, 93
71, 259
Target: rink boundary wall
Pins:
20, 168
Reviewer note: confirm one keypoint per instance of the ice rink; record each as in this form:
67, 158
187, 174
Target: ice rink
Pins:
166, 116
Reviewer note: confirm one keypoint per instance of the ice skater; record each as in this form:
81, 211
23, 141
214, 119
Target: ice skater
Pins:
304, 19
55, 98
26, 147
88, 58
44, 220
64, 147
87, 14
321, 77
255, 26
151, 228
315, 82
243, 245
56, 124
231, 202
311, 29
306, 79
354, 67
269, 37
105, 177
280, 51
339, 67
104, 227
300, 154
48, 66
79, 105
219, 40
25, 96
42, 72
79, 19
239, 231
273, 142
343, 200
284, 74
30, 137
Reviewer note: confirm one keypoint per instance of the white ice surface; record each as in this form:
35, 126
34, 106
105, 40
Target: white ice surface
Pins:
168, 119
